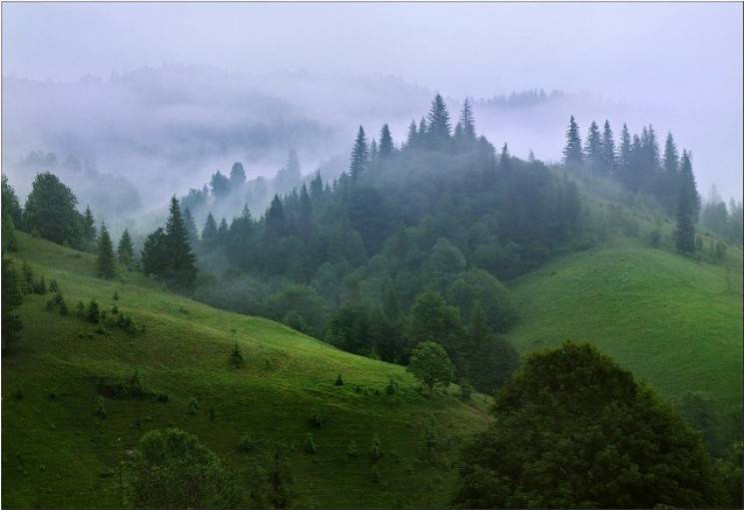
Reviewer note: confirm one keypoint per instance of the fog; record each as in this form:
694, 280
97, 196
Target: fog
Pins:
146, 100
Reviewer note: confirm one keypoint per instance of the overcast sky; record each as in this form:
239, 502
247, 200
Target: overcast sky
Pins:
680, 56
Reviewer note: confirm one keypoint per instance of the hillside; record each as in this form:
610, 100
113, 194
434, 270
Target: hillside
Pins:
674, 322
57, 453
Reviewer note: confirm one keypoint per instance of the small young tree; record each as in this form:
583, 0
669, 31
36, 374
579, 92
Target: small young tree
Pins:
106, 265
430, 365
236, 357
125, 250
94, 312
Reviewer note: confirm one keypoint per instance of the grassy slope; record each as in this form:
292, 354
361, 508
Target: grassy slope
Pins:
56, 453
674, 322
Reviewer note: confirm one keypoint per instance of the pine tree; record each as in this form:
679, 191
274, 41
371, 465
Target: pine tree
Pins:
608, 148
594, 146
423, 131
359, 156
684, 232
625, 156
209, 233
222, 232
573, 154
668, 181
386, 143
412, 139
125, 250
106, 265
275, 218
188, 220
467, 122
316, 187
373, 152
182, 268
505, 159
89, 228
290, 176
439, 130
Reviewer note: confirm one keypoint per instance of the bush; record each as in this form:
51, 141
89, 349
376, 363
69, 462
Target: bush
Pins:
466, 390
376, 451
80, 309
654, 239
162, 398
63, 308
310, 446
339, 381
193, 406
316, 421
40, 286
377, 476
246, 445
116, 296
236, 357
391, 387
100, 408
94, 312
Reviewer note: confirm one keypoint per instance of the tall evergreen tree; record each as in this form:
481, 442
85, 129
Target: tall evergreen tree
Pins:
181, 267
290, 176
625, 157
10, 203
359, 156
237, 175
373, 152
439, 130
467, 122
668, 180
125, 250
209, 233
276, 220
594, 146
573, 154
505, 159
412, 139
220, 185
190, 224
89, 229
222, 232
684, 231
106, 264
608, 148
316, 187
386, 143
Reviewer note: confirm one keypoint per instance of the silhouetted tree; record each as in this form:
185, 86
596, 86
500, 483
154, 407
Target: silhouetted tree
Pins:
105, 262
573, 154
359, 156
125, 250
687, 197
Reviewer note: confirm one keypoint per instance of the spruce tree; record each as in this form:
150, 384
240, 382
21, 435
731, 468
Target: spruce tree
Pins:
106, 265
386, 143
412, 139
505, 159
359, 156
573, 154
89, 228
669, 178
594, 146
223, 232
439, 130
125, 250
467, 122
625, 156
209, 233
181, 266
608, 148
684, 231
373, 152
276, 221
188, 220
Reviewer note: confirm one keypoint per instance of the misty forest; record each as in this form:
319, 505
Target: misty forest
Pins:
381, 304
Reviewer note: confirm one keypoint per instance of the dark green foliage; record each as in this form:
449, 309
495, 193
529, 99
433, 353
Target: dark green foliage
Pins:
386, 143
432, 319
684, 231
316, 421
352, 450
53, 286
430, 364
573, 153
27, 284
209, 233
94, 312
608, 158
50, 211
439, 129
115, 296
236, 357
105, 261
572, 429
466, 390
193, 406
391, 387
100, 407
593, 147
273, 484
167, 253
359, 156
729, 471
172, 469
339, 381
40, 286
125, 249
11, 215
376, 451
12, 298
247, 445
89, 230
310, 446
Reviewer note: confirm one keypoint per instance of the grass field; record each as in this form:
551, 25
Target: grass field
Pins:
674, 322
56, 453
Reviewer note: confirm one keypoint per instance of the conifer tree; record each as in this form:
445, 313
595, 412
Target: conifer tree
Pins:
594, 146
222, 232
106, 265
386, 143
423, 130
467, 122
439, 130
50, 211
359, 156
188, 220
505, 159
125, 250
89, 228
608, 148
412, 139
181, 266
209, 233
625, 159
316, 187
275, 218
573, 154
684, 231
373, 152
237, 175
669, 179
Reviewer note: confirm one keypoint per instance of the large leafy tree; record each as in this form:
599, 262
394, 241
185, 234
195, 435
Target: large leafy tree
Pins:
430, 364
172, 469
573, 429
50, 211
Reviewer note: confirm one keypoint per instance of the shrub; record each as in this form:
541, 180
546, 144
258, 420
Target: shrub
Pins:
94, 312
114, 310
53, 287
339, 380
40, 286
116, 296
162, 398
63, 308
193, 406
310, 446
316, 421
80, 309
377, 476
466, 390
236, 357
376, 451
391, 387
58, 298
100, 408
50, 304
